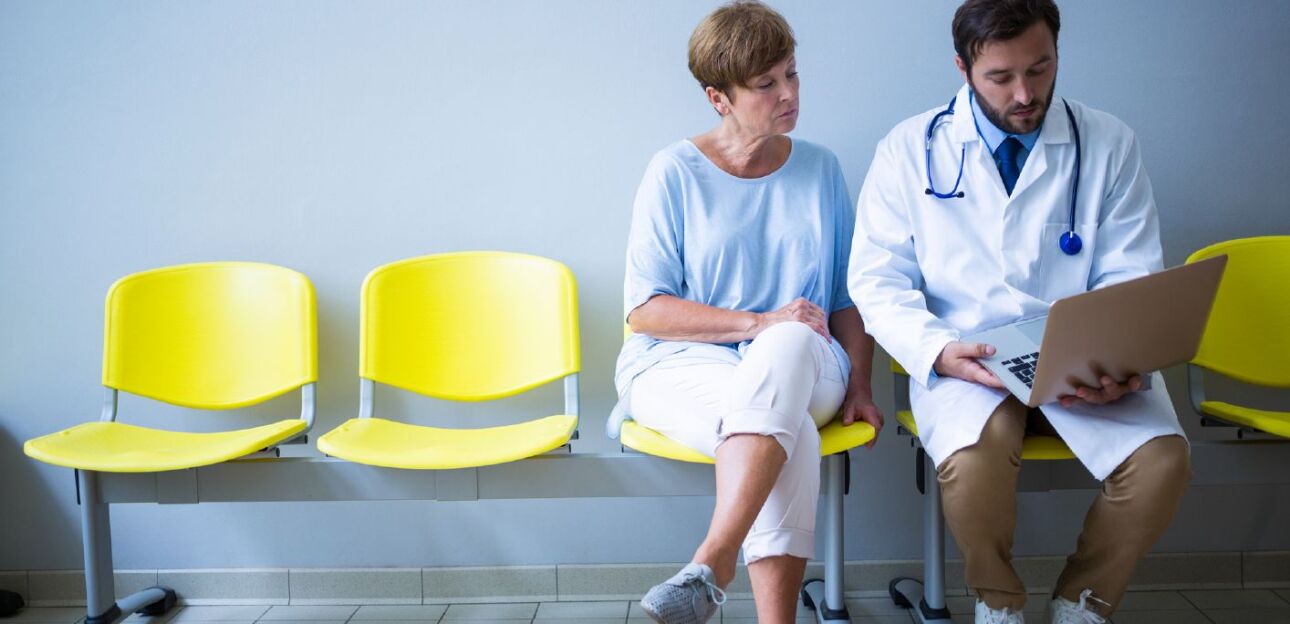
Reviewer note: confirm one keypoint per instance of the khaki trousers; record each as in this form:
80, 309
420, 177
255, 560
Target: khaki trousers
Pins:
979, 498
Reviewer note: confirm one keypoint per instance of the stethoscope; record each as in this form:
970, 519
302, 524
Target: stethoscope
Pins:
1070, 241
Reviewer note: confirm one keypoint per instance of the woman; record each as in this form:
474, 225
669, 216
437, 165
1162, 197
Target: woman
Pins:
745, 338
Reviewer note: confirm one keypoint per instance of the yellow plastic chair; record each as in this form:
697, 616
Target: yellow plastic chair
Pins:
1247, 337
469, 326
824, 596
217, 336
927, 597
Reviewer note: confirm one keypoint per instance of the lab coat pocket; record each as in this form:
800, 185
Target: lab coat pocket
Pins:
1060, 274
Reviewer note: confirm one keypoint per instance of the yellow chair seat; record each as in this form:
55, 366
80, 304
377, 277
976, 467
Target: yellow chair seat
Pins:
906, 420
834, 438
391, 444
1045, 447
645, 440
118, 447
1276, 423
1034, 447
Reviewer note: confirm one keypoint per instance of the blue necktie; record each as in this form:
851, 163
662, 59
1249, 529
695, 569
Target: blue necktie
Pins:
1008, 168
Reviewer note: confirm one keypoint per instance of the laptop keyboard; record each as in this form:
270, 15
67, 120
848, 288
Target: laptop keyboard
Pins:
1023, 367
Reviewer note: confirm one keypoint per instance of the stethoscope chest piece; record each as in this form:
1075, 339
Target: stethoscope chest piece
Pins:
1070, 243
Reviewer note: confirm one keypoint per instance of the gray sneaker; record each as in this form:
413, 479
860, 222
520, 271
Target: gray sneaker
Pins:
690, 597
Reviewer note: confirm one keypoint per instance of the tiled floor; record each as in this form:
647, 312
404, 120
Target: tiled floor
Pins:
1236, 606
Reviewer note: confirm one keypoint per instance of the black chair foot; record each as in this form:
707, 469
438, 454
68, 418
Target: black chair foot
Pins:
10, 603
813, 599
161, 606
898, 598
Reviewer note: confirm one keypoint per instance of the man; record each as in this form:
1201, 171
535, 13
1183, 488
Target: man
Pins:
983, 236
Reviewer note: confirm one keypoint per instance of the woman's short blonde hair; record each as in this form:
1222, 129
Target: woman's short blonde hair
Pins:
737, 42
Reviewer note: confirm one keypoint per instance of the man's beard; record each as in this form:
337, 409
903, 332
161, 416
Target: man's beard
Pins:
1001, 119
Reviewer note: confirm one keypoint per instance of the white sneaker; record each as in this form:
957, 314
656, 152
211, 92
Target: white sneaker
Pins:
986, 615
1063, 611
689, 597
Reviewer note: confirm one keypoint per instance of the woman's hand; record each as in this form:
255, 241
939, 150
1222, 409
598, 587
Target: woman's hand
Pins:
799, 310
858, 406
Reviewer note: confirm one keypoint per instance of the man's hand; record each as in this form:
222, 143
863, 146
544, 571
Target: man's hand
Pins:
1110, 392
958, 359
858, 406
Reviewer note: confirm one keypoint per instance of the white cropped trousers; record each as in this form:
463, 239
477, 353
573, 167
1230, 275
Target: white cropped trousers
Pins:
788, 385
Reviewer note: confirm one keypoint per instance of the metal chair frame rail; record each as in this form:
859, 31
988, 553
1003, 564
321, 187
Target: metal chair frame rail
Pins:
560, 474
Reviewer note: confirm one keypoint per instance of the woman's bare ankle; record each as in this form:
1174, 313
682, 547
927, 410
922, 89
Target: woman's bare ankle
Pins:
723, 566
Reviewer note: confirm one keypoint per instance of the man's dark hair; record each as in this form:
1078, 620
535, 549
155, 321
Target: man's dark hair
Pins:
978, 22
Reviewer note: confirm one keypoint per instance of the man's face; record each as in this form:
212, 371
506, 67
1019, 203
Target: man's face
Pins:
1014, 79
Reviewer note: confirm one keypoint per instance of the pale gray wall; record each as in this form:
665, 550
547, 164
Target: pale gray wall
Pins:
331, 137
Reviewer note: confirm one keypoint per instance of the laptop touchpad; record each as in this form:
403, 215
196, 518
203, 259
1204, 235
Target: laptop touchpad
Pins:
1034, 329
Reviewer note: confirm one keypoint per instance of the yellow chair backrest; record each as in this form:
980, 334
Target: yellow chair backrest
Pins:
214, 335
469, 326
1248, 336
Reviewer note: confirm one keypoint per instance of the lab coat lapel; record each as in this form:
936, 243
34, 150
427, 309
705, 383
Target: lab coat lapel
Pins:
1036, 165
1055, 132
976, 152
964, 128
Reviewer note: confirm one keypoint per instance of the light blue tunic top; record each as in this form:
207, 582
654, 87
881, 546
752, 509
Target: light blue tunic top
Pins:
755, 245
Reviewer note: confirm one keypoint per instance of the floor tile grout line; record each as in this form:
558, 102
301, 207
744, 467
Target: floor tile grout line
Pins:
1192, 603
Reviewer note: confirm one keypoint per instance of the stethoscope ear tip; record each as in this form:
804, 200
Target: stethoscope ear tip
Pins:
927, 191
960, 195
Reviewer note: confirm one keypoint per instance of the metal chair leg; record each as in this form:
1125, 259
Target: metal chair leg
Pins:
100, 591
825, 596
929, 594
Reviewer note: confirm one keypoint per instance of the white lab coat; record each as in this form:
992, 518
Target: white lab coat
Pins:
925, 271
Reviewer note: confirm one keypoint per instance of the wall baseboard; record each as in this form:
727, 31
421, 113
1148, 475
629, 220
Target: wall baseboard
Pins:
549, 583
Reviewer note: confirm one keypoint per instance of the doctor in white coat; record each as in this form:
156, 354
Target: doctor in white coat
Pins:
944, 249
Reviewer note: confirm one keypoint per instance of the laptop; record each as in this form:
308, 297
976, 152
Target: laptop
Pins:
1127, 329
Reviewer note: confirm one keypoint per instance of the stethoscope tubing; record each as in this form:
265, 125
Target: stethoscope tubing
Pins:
1069, 242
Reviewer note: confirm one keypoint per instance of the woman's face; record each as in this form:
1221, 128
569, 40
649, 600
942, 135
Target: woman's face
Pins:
767, 105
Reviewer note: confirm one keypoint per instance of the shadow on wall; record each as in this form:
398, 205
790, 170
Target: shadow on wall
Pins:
31, 504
